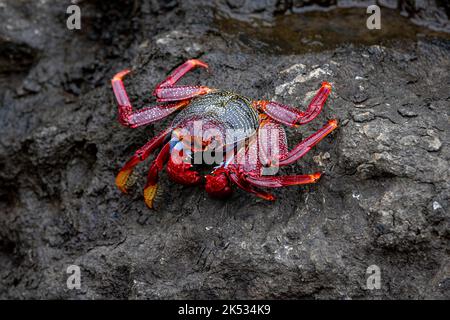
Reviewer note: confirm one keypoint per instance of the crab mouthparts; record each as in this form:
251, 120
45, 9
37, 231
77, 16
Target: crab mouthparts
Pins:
195, 143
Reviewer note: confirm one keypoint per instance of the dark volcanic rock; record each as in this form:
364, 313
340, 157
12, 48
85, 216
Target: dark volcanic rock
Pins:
383, 199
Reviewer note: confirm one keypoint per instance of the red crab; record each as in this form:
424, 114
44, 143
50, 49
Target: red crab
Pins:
221, 111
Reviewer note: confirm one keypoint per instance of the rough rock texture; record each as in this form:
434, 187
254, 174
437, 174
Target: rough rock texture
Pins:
383, 200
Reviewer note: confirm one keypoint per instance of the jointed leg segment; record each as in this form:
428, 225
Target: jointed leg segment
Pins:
282, 181
153, 175
291, 116
303, 147
167, 91
180, 71
132, 118
139, 156
251, 182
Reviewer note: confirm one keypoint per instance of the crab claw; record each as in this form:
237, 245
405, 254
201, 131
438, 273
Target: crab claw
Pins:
217, 184
124, 178
150, 194
180, 172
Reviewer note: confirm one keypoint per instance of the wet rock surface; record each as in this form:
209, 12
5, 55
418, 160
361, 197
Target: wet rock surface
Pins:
383, 199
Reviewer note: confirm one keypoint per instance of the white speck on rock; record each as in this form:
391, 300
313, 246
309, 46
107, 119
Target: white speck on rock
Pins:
282, 253
194, 48
433, 142
436, 205
163, 41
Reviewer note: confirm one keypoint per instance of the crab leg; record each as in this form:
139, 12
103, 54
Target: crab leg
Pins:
282, 181
152, 179
140, 155
180, 93
303, 147
181, 71
246, 186
291, 116
272, 143
247, 161
248, 182
133, 119
167, 91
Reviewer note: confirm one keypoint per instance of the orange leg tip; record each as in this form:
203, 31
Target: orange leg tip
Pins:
122, 179
200, 63
196, 62
149, 195
333, 123
315, 176
183, 103
266, 196
121, 74
327, 85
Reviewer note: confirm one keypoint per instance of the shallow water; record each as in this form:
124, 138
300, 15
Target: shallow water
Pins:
322, 30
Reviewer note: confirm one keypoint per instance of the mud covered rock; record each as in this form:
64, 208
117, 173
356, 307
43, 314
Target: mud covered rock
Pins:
383, 199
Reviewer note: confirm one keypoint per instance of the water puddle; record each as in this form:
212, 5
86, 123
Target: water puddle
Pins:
322, 30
